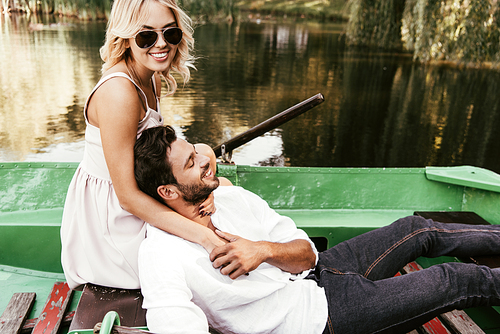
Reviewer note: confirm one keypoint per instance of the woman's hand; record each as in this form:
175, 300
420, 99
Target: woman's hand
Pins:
207, 208
212, 241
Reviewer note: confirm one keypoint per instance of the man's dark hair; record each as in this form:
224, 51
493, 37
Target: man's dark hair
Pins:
151, 166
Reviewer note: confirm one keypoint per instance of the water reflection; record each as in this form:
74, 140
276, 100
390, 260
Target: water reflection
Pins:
380, 109
45, 75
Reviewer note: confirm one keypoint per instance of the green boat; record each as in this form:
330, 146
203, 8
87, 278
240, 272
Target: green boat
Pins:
330, 204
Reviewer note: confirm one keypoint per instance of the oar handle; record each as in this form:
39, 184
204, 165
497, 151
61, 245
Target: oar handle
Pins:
269, 124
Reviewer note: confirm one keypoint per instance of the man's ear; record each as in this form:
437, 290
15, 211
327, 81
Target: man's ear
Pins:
168, 192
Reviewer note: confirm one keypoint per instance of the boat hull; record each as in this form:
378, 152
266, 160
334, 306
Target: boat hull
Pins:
330, 204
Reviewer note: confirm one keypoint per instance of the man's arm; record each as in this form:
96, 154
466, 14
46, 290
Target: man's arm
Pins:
240, 256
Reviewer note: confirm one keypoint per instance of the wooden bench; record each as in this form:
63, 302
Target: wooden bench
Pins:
49, 321
16, 312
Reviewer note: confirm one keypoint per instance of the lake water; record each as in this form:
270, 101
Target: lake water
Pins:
380, 109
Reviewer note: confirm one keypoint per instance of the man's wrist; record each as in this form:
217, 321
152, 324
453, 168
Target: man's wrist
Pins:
266, 251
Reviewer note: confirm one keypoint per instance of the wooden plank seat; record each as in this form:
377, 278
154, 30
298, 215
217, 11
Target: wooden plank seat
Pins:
12, 319
30, 323
50, 319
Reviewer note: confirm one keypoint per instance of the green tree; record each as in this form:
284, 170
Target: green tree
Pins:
465, 31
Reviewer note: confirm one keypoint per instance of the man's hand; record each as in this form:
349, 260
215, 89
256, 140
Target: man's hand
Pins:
240, 256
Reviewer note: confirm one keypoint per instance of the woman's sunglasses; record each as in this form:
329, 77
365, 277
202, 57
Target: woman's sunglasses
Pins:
147, 38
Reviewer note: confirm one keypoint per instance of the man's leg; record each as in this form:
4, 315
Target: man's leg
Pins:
358, 274
400, 304
382, 252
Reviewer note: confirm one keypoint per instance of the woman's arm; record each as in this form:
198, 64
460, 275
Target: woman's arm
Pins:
117, 110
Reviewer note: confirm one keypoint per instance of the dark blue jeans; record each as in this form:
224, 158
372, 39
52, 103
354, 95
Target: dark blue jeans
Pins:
365, 297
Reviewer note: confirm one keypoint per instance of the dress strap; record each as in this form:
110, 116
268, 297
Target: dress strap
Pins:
114, 75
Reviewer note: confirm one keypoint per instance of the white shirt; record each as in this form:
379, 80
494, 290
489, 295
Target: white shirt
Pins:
183, 293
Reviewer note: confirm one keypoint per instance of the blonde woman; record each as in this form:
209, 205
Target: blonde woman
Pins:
103, 220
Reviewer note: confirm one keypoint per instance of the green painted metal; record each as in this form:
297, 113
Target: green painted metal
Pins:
467, 176
333, 204
33, 186
346, 188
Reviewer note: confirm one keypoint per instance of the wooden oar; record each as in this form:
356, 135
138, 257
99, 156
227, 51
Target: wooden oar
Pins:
269, 124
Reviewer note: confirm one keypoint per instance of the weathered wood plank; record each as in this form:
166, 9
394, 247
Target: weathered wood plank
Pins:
52, 314
435, 326
16, 312
461, 323
30, 323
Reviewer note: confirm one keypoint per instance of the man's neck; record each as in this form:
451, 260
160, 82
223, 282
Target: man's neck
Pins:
191, 212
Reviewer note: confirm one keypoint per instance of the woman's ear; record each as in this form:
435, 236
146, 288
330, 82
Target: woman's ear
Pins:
168, 192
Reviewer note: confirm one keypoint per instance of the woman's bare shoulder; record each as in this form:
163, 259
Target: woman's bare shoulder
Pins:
117, 87
224, 182
117, 97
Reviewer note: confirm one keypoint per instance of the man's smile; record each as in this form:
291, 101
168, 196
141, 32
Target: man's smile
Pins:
208, 173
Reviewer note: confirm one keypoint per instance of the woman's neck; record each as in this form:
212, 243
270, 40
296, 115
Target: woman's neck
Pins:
142, 77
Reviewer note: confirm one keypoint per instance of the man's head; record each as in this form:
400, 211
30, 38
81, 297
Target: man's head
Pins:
168, 168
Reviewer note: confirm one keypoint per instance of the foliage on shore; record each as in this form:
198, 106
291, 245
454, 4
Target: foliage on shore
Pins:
460, 31
325, 10
200, 10
82, 9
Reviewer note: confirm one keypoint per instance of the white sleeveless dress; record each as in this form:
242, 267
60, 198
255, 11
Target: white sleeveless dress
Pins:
100, 240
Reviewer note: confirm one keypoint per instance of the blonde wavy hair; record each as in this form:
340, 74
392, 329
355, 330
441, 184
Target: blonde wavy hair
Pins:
126, 20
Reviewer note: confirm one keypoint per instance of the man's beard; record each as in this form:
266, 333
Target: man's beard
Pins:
197, 193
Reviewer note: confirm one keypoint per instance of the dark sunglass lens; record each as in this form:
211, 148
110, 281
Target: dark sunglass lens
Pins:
146, 39
173, 35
